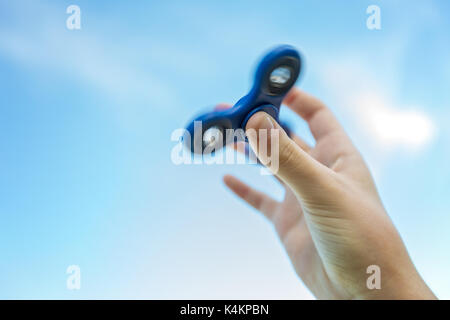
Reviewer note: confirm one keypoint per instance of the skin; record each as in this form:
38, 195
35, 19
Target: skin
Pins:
331, 221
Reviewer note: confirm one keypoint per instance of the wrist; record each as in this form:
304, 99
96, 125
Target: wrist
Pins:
400, 284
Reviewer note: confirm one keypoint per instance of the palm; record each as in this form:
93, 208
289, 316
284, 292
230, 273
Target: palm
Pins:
290, 224
334, 150
292, 229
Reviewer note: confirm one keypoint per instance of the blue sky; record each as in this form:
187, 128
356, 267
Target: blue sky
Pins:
86, 118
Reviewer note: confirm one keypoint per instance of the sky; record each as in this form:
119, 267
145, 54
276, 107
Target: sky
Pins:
86, 118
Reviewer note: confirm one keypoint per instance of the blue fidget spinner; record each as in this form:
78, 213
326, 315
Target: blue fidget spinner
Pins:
276, 74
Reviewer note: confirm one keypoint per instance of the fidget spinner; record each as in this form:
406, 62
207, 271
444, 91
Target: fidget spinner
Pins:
275, 75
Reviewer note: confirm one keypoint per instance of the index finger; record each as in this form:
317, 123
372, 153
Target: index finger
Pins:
320, 119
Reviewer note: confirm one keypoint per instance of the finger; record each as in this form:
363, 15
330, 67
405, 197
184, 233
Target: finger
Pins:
241, 146
301, 143
320, 119
281, 154
255, 198
222, 106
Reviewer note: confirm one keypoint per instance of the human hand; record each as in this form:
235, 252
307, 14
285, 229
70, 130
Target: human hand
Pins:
331, 222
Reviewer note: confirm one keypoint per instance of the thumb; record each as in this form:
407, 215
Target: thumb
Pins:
282, 155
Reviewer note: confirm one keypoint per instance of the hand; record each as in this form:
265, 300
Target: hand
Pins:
331, 222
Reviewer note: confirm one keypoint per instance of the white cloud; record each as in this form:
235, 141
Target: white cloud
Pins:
392, 127
387, 123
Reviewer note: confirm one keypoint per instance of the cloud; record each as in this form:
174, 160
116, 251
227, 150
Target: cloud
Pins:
387, 123
392, 127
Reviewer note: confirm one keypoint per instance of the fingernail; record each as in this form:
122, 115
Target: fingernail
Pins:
266, 123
